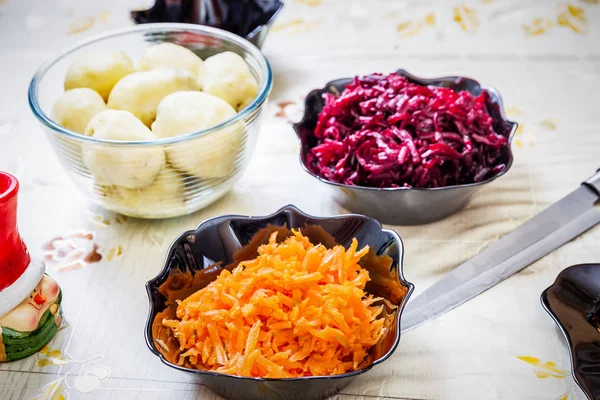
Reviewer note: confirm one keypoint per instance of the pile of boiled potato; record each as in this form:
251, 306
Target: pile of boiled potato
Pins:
170, 92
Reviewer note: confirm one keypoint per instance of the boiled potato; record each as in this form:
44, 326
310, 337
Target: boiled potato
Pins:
166, 192
227, 76
169, 55
99, 71
187, 112
132, 168
141, 92
76, 107
208, 156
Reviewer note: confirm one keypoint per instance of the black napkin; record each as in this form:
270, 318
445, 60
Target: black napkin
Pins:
241, 17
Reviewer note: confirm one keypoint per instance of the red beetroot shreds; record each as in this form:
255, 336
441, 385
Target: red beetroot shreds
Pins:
384, 131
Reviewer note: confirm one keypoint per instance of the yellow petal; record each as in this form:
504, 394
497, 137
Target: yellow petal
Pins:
409, 28
573, 17
80, 25
55, 353
538, 27
530, 360
310, 3
43, 362
466, 18
430, 19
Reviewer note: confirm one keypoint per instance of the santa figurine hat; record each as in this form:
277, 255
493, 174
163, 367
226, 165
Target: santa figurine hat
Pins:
18, 276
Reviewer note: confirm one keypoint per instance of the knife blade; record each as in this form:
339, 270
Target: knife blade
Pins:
537, 237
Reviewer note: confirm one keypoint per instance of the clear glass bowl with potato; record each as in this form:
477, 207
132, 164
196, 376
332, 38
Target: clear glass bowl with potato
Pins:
157, 120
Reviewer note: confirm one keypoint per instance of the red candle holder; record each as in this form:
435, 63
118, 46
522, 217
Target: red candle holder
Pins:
14, 257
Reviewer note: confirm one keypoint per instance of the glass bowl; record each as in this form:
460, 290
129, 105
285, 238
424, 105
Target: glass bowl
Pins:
209, 161
198, 256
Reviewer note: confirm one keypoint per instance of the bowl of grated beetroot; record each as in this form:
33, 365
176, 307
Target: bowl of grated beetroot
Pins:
402, 149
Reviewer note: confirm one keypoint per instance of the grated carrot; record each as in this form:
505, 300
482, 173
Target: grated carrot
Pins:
297, 309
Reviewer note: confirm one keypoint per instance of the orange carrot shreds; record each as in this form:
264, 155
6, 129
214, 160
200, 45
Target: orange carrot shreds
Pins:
295, 310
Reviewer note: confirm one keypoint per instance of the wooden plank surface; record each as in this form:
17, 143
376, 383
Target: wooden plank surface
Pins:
550, 84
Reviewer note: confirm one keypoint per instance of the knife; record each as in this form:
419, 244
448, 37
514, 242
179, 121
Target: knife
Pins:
539, 236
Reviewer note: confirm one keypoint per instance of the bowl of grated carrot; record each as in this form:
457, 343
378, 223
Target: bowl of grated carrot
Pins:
286, 306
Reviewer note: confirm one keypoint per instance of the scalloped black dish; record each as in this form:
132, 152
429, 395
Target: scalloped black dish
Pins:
219, 241
250, 19
573, 301
403, 206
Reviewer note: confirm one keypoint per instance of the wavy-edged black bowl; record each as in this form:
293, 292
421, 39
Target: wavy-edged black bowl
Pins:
404, 206
250, 19
573, 301
222, 239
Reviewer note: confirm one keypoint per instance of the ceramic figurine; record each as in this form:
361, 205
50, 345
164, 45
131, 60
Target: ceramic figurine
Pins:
30, 311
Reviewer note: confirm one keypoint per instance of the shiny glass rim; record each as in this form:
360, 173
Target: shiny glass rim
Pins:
261, 97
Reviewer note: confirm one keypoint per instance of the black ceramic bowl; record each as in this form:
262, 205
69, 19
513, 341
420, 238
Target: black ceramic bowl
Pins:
250, 19
573, 301
404, 206
230, 239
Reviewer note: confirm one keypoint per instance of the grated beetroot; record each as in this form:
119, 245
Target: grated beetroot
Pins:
384, 131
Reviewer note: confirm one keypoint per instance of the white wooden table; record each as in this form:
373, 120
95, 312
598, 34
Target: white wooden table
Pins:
542, 55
